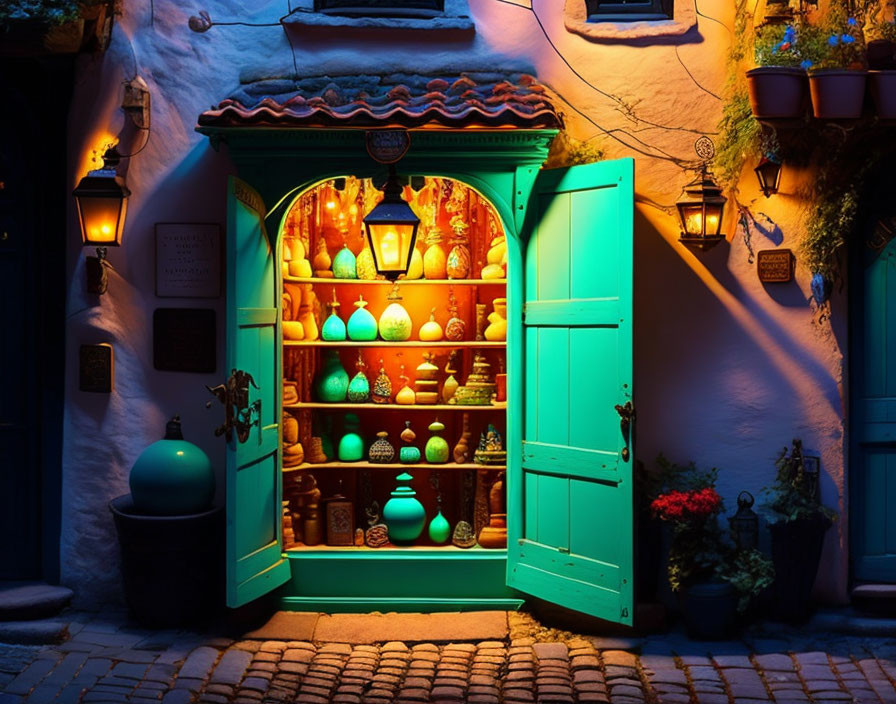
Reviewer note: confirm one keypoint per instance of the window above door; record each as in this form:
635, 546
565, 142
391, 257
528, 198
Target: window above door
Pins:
628, 10
427, 15
617, 21
382, 8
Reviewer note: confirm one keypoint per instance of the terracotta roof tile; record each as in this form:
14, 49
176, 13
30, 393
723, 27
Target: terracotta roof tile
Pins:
489, 100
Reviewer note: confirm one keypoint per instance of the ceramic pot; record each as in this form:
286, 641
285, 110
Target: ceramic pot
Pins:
359, 388
331, 385
333, 328
710, 610
172, 476
796, 555
395, 323
351, 448
409, 455
883, 90
497, 321
457, 265
436, 449
345, 265
837, 94
361, 325
431, 331
777, 92
435, 263
381, 451
439, 529
365, 265
403, 514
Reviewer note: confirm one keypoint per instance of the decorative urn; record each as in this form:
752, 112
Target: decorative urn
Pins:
403, 513
172, 476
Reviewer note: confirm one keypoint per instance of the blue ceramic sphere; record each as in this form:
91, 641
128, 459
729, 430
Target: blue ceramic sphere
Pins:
172, 477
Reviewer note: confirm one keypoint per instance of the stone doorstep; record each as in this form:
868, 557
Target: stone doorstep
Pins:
26, 601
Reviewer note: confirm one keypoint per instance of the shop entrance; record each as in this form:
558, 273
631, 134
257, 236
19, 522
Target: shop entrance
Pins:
567, 355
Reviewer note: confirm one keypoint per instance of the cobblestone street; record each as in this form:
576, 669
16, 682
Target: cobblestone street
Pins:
106, 661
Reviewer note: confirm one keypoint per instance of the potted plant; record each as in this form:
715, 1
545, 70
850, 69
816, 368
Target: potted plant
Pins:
837, 73
798, 523
881, 53
777, 87
715, 581
35, 27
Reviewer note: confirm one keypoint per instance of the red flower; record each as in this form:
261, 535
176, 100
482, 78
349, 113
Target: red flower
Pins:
687, 505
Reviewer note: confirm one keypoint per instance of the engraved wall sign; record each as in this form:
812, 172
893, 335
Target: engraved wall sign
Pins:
183, 340
774, 265
387, 146
96, 371
188, 260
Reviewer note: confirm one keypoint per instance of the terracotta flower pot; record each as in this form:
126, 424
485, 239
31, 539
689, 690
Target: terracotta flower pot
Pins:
837, 93
883, 90
777, 92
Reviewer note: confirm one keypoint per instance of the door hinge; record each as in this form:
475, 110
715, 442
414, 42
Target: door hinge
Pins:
626, 417
565, 551
624, 613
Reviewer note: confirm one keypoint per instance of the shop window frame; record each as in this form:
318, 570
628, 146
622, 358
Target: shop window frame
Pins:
629, 10
406, 9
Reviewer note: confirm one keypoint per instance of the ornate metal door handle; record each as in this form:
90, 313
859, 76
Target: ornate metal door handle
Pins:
238, 412
626, 416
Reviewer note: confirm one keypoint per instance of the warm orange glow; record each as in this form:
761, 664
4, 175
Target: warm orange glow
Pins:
391, 245
102, 220
389, 249
331, 204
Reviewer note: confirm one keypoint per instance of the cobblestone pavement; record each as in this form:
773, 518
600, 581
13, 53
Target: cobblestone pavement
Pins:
105, 661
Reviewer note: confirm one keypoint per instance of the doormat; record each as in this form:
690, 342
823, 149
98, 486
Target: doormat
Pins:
410, 628
286, 625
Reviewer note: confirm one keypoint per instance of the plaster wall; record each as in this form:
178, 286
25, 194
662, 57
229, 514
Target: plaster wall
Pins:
727, 370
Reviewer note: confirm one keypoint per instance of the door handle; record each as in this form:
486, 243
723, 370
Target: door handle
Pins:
626, 416
238, 412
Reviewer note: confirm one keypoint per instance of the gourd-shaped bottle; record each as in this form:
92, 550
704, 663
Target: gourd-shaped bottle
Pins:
434, 260
362, 325
382, 386
408, 454
365, 264
395, 323
331, 384
458, 263
406, 395
403, 514
450, 386
333, 328
431, 331
322, 261
439, 528
351, 444
381, 451
359, 387
345, 265
436, 449
456, 327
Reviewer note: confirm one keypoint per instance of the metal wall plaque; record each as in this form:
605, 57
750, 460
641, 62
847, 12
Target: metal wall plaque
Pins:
774, 265
340, 521
184, 340
387, 146
188, 260
96, 370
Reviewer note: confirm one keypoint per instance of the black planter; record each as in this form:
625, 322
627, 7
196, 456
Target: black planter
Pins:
710, 610
796, 553
172, 566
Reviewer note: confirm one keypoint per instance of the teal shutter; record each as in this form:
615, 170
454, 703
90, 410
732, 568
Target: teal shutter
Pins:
571, 523
255, 563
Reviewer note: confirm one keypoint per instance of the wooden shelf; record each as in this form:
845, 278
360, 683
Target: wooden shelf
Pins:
500, 406
393, 466
401, 282
390, 547
473, 344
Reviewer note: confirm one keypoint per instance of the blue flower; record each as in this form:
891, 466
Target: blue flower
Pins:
789, 34
833, 40
851, 21
847, 38
806, 65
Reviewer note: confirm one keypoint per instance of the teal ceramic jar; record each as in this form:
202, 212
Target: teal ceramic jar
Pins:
409, 455
351, 445
403, 514
362, 325
172, 476
439, 529
333, 329
436, 447
331, 384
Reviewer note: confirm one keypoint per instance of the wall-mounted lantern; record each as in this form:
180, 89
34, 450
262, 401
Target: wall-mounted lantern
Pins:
701, 211
768, 171
102, 200
392, 230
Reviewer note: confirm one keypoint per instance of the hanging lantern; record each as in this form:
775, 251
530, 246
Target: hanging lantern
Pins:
392, 230
700, 212
768, 171
745, 523
102, 198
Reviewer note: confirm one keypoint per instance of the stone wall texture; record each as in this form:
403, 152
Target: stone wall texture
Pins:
728, 370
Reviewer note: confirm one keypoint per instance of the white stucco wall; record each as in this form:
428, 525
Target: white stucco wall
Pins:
727, 370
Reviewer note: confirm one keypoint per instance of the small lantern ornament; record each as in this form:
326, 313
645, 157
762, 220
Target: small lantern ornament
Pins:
745, 523
701, 210
768, 172
392, 230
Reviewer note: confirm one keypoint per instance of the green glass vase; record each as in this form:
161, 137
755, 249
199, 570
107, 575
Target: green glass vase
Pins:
436, 449
403, 515
439, 529
331, 384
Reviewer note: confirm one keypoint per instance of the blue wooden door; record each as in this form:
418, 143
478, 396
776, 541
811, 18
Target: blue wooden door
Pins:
255, 563
570, 502
873, 427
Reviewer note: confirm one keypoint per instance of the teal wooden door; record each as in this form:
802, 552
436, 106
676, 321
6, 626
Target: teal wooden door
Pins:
570, 502
873, 427
255, 563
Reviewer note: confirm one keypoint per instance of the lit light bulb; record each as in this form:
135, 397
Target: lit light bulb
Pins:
389, 249
331, 204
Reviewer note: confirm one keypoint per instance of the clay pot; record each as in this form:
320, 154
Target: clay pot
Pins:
777, 92
837, 94
883, 90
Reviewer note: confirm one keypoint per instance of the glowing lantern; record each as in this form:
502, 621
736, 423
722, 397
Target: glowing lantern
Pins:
392, 230
700, 212
102, 198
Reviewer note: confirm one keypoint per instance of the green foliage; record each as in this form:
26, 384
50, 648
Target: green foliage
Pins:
791, 497
740, 139
47, 11
566, 150
778, 45
750, 573
676, 477
837, 42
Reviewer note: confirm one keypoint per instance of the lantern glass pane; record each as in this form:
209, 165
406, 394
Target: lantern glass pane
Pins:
101, 219
713, 216
391, 245
692, 218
